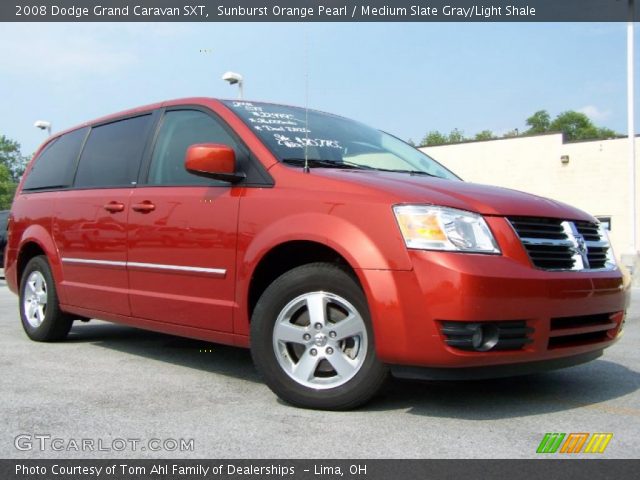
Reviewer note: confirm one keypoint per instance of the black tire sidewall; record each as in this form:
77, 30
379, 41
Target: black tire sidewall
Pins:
55, 325
305, 279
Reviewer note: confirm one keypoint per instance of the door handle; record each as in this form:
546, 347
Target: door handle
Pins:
114, 207
144, 207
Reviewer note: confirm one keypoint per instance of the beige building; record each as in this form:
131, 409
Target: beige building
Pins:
591, 175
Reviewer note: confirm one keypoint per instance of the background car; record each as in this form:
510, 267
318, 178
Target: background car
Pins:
4, 219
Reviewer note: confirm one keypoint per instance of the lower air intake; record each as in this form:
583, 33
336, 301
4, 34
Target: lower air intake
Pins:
487, 336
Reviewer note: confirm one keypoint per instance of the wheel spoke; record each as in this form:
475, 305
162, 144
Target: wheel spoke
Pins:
289, 333
317, 306
39, 282
306, 367
349, 327
42, 298
40, 314
32, 286
342, 364
31, 310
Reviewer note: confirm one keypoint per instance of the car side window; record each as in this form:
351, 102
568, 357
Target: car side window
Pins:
55, 166
179, 130
112, 154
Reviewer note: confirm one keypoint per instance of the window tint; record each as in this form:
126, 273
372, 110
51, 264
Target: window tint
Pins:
55, 166
181, 129
111, 156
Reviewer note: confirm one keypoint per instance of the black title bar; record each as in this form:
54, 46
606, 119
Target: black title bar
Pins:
124, 469
317, 11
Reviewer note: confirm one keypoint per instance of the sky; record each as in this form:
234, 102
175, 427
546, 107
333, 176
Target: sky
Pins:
404, 78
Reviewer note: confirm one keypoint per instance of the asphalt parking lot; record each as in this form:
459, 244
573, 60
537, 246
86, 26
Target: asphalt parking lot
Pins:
113, 382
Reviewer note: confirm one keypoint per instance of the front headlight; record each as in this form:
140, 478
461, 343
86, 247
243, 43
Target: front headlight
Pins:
429, 227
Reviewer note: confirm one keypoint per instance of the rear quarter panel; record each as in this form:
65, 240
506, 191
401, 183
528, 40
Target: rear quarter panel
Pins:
31, 223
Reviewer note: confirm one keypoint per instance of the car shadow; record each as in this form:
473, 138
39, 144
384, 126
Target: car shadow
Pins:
589, 385
209, 357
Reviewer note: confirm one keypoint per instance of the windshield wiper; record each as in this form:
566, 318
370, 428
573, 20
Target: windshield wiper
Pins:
410, 172
317, 162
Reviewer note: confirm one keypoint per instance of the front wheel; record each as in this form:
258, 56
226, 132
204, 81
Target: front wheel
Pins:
312, 339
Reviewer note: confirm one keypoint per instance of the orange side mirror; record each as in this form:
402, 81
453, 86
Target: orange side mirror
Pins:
212, 160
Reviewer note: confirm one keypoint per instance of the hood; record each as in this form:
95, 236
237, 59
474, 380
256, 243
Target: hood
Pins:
484, 199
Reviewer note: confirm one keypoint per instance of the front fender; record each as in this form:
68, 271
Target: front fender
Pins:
357, 247
378, 249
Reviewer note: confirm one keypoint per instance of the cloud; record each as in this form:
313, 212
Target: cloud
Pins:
594, 113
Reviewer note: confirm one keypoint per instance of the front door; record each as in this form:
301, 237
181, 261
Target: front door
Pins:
182, 231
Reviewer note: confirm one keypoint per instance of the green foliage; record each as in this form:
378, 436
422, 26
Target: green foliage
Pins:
7, 188
485, 135
456, 136
606, 133
433, 138
539, 122
574, 125
12, 165
11, 157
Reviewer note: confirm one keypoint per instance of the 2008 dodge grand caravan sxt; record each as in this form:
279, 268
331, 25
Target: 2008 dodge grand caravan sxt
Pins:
336, 252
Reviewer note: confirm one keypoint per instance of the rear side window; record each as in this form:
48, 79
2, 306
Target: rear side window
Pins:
181, 129
55, 166
111, 156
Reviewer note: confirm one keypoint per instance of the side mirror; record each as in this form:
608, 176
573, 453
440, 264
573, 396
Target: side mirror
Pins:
213, 161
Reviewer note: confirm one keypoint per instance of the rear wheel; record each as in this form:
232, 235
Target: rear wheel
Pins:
42, 319
312, 339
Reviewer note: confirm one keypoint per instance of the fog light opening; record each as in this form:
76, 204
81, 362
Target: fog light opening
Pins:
485, 337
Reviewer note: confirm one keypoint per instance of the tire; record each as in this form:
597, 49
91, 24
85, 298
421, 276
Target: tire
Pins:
42, 319
312, 341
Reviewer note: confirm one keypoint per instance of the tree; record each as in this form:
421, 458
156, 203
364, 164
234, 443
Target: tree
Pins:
433, 138
485, 135
575, 126
7, 188
456, 136
11, 158
605, 133
12, 165
539, 122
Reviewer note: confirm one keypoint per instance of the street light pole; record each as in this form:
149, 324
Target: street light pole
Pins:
631, 132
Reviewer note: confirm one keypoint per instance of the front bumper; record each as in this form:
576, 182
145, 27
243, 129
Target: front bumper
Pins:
491, 371
407, 308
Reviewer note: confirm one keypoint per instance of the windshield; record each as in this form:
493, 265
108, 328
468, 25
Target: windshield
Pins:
332, 141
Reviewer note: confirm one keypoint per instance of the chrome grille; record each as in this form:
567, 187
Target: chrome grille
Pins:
555, 244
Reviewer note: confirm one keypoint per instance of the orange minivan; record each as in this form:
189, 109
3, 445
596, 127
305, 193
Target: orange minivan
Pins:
336, 252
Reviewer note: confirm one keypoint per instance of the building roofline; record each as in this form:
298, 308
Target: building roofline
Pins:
530, 135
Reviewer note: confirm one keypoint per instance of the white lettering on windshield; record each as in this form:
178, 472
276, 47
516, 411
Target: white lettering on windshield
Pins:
298, 142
